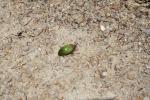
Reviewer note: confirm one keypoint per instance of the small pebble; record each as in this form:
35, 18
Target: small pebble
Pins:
146, 31
148, 66
131, 75
104, 74
102, 27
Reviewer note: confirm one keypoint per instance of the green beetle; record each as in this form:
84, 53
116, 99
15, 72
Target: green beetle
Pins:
67, 49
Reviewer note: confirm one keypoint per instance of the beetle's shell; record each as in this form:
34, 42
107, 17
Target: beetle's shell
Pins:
66, 49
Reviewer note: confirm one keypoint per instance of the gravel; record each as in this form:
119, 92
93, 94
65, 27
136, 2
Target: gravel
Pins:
111, 60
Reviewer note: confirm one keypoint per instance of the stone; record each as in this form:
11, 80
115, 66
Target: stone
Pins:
131, 75
102, 27
104, 74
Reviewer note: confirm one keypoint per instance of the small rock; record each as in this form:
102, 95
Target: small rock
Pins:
104, 74
146, 31
148, 66
131, 75
102, 27
51, 5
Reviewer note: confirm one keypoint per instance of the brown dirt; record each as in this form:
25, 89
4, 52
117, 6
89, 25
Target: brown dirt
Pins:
111, 62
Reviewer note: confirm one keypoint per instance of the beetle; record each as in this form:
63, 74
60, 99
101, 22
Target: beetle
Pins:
67, 49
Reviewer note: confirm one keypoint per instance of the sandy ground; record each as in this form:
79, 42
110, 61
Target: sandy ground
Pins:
111, 61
